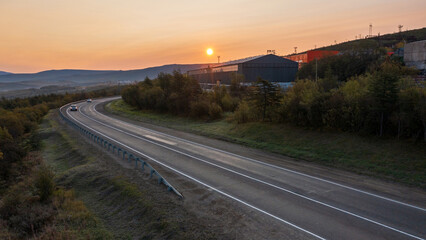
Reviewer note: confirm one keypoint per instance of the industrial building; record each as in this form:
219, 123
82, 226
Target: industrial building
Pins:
308, 56
269, 67
415, 55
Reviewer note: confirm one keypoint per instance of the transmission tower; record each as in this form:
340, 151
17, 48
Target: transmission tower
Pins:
370, 31
400, 28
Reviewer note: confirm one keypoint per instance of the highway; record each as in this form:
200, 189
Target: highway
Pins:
319, 208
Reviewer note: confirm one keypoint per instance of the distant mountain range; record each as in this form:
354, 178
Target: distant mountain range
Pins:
4, 73
72, 78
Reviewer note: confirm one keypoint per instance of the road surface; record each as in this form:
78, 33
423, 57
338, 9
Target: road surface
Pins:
320, 208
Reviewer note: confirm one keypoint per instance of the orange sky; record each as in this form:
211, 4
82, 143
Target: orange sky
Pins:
131, 34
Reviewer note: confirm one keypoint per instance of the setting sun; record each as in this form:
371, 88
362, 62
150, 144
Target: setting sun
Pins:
209, 51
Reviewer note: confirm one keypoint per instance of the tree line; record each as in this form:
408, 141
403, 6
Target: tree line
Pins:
367, 94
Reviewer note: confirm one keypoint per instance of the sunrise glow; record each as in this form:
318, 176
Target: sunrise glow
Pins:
99, 34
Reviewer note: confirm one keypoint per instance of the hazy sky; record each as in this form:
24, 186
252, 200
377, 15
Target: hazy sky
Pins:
39, 35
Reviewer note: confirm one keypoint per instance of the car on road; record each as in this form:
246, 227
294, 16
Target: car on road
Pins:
89, 100
73, 108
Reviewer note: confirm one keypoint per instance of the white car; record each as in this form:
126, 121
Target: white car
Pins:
73, 108
89, 100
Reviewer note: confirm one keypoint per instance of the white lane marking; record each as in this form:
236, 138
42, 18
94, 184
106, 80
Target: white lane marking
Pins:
200, 182
263, 163
257, 180
160, 140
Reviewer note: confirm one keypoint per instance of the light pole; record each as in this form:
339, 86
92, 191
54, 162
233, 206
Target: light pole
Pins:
316, 70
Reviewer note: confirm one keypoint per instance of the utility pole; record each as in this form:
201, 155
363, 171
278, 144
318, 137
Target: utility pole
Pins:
218, 59
295, 50
316, 70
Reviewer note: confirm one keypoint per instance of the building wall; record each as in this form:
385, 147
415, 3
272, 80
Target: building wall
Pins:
309, 56
318, 54
269, 67
415, 54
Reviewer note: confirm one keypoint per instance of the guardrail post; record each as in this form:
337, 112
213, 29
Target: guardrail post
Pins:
160, 180
136, 162
151, 172
118, 151
130, 158
143, 165
124, 155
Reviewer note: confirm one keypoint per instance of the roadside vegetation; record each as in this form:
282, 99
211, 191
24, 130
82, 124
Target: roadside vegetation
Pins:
32, 204
368, 118
52, 187
126, 203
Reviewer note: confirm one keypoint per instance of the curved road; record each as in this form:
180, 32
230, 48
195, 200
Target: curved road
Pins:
320, 208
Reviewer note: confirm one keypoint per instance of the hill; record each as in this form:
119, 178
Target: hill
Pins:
4, 73
73, 78
387, 40
390, 41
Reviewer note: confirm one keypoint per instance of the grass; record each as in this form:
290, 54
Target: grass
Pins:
36, 207
390, 159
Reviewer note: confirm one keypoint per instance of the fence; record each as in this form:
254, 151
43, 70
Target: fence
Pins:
121, 152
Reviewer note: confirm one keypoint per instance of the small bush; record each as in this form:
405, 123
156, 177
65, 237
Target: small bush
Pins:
215, 111
199, 109
242, 114
227, 103
44, 183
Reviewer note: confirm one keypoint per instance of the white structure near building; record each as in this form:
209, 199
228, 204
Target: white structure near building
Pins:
415, 55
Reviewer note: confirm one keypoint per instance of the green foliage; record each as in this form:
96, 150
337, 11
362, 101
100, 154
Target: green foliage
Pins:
341, 66
215, 111
19, 119
12, 153
44, 183
200, 108
301, 104
168, 92
237, 89
383, 90
227, 103
242, 114
265, 97
379, 103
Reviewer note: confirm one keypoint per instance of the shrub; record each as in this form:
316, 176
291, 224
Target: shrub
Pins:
227, 103
199, 109
44, 183
215, 111
242, 114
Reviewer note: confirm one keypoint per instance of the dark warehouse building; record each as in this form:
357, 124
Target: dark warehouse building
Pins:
269, 67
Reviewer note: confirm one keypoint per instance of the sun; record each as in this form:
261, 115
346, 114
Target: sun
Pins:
209, 51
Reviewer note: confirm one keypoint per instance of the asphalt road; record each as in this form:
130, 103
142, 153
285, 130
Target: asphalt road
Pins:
320, 208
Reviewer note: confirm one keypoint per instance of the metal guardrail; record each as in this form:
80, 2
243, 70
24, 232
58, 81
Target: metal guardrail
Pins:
122, 152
